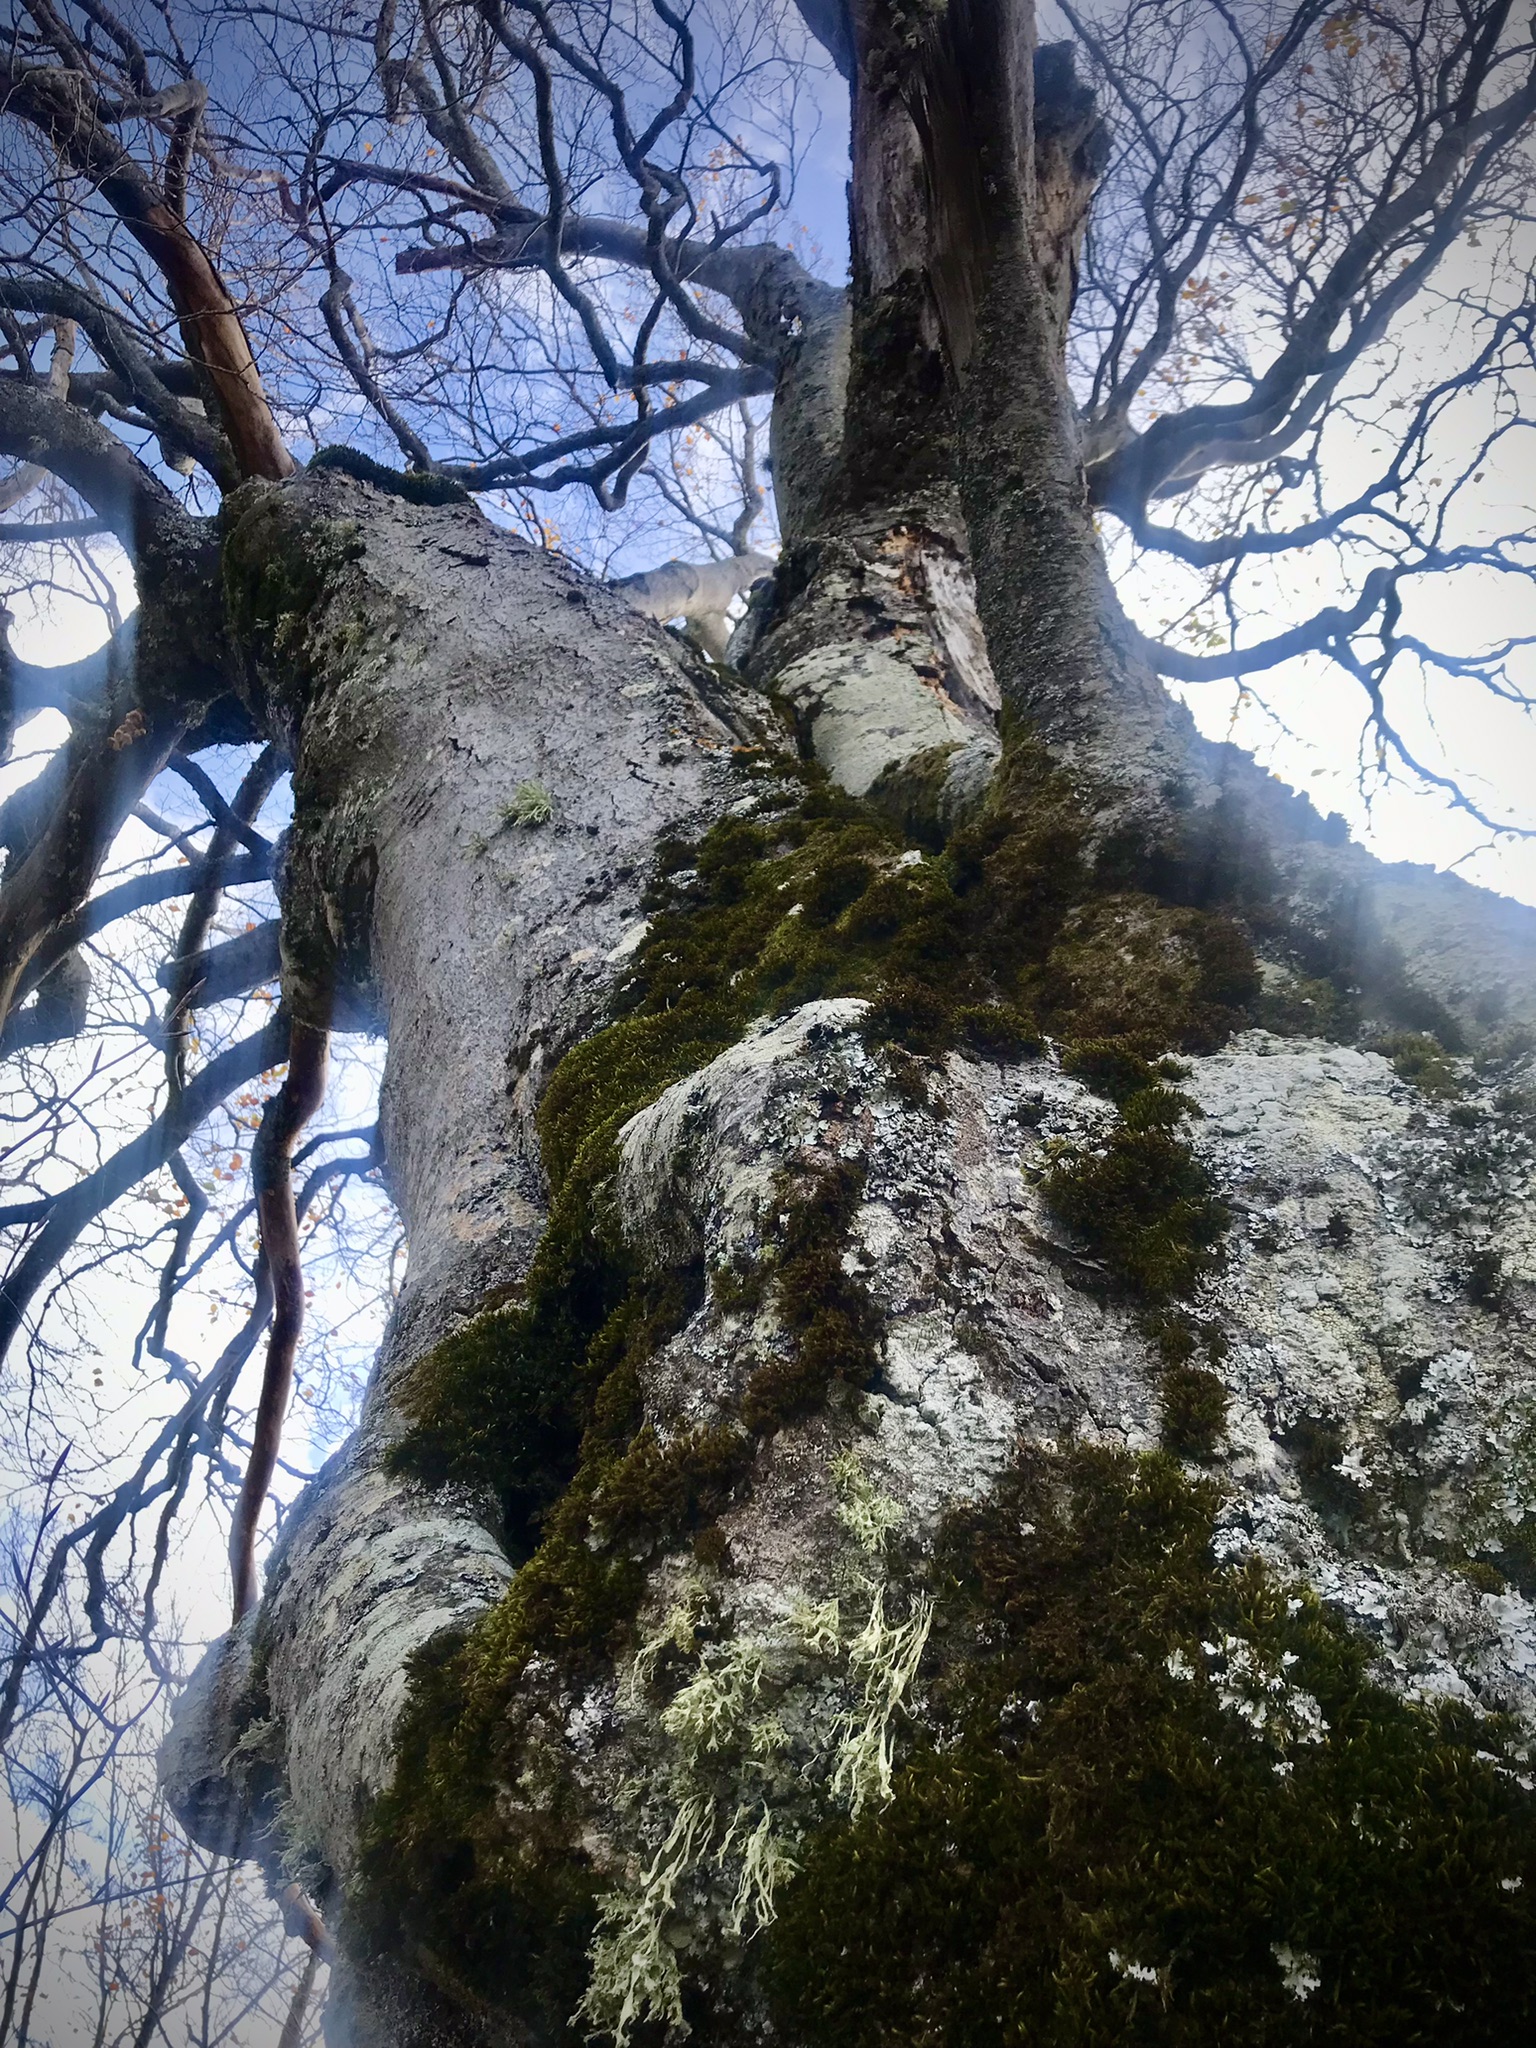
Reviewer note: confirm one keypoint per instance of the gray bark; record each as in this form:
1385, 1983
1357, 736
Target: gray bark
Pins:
447, 665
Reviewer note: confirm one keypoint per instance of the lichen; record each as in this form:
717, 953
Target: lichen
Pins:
732, 1785
531, 805
869, 1515
1158, 1796
883, 1657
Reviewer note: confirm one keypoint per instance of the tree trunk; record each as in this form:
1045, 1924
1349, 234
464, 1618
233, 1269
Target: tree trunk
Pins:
840, 1356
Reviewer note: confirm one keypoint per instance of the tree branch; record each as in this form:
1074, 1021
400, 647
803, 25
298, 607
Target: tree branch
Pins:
272, 1169
58, 437
59, 102
64, 1216
125, 898
180, 429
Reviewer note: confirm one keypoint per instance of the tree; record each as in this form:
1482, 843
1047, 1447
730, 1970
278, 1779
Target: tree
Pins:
961, 1388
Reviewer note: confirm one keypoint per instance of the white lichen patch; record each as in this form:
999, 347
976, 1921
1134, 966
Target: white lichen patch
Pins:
1383, 1426
1298, 1970
1259, 1692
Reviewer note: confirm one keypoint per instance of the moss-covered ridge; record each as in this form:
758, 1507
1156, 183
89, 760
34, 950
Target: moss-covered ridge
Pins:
1159, 1798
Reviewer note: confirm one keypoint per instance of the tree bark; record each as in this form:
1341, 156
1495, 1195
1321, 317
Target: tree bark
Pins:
876, 1268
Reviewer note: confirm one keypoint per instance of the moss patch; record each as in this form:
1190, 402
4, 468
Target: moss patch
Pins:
1144, 1204
1142, 1201
1161, 1801
827, 1316
416, 486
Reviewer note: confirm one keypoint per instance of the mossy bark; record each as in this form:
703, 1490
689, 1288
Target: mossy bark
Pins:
865, 1120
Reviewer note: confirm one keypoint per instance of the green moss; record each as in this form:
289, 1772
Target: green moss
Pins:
1002, 932
416, 486
276, 579
1317, 1445
1515, 1555
828, 1318
1194, 1410
1419, 1057
1308, 1006
1160, 1800
1126, 963
1142, 1202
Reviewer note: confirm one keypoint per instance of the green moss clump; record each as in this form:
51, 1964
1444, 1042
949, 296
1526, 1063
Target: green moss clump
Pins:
827, 1315
1112, 1067
504, 1403
1007, 930
416, 486
1419, 1057
276, 582
1194, 1410
1143, 1202
1308, 1006
1169, 976
1515, 1557
1161, 1801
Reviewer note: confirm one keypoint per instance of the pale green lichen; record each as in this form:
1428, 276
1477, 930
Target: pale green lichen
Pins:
885, 1656
707, 1714
678, 1631
531, 805
765, 1864
725, 1780
634, 1966
819, 1624
870, 1516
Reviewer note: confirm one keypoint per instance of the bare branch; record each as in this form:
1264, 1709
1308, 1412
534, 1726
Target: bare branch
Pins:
272, 1168
60, 104
64, 1216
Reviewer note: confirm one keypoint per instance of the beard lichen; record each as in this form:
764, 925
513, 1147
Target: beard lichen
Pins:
1158, 1797
764, 1731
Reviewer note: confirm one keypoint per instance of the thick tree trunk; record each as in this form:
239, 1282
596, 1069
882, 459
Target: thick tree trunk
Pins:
1374, 1304
805, 1222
